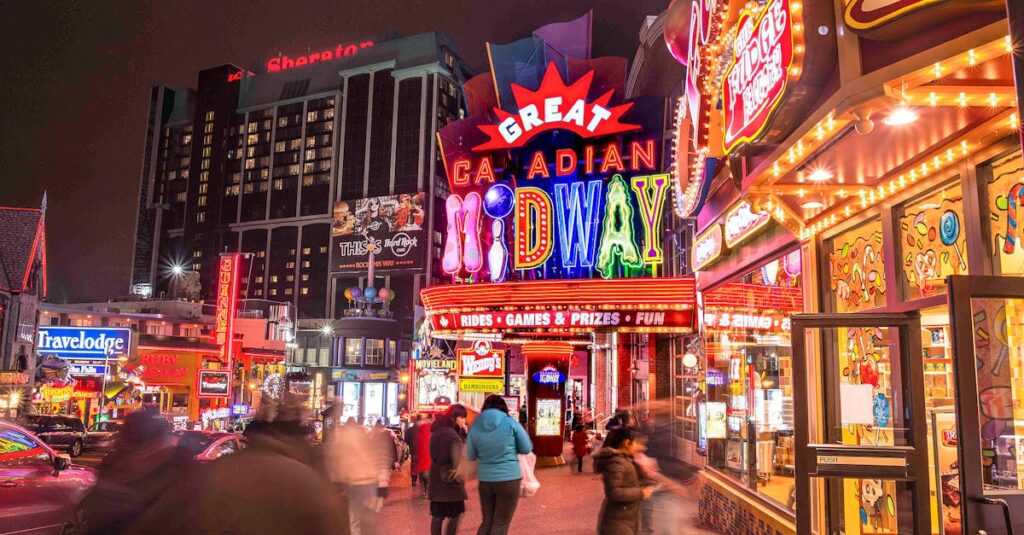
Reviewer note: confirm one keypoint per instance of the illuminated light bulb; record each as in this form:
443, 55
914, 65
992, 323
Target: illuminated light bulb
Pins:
913, 176
1014, 122
871, 197
794, 71
775, 168
903, 181
800, 147
831, 123
949, 155
847, 210
962, 100
963, 147
936, 163
937, 70
992, 100
881, 192
820, 175
842, 194
812, 205
972, 57
924, 168
800, 192
1009, 44
900, 116
892, 188
932, 98
795, 6
798, 27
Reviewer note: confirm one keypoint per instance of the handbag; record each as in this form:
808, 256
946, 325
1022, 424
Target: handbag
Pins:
529, 485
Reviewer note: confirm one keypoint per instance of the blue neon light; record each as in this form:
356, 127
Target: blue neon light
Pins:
578, 225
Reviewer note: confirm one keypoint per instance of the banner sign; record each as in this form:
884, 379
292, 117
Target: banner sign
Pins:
762, 64
707, 247
474, 384
213, 383
392, 226
87, 369
227, 306
741, 223
84, 343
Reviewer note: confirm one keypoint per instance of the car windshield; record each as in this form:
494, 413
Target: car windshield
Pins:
38, 421
195, 442
109, 425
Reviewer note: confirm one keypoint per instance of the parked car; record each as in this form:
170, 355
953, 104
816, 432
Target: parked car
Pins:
65, 432
39, 488
207, 446
103, 435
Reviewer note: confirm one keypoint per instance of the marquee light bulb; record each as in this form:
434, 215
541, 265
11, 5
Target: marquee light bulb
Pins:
900, 116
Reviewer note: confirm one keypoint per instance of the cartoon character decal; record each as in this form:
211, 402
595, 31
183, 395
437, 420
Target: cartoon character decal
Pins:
933, 245
857, 276
1004, 192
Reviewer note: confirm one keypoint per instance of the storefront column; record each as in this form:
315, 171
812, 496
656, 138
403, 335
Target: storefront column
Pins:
624, 366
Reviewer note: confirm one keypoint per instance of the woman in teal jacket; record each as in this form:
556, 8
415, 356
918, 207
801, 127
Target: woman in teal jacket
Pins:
495, 440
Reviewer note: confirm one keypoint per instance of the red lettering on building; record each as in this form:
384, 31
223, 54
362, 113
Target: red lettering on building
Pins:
283, 62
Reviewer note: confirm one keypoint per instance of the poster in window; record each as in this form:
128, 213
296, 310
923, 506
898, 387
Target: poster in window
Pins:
549, 417
436, 384
213, 383
349, 400
715, 411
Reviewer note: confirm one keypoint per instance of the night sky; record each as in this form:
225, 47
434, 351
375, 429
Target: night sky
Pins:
75, 78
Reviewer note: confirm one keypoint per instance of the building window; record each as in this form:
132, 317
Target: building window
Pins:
208, 128
374, 352
206, 152
748, 336
201, 201
273, 291
323, 249
288, 291
353, 350
209, 116
203, 188
304, 291
290, 278
200, 217
273, 279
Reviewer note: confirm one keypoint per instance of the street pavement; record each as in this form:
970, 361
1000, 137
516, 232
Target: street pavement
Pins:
567, 503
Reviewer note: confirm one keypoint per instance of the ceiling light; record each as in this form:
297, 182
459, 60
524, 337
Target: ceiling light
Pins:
812, 205
900, 116
820, 175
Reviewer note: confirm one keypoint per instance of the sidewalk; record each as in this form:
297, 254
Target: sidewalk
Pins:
567, 503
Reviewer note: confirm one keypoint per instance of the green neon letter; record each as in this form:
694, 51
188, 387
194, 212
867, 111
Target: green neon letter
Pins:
617, 236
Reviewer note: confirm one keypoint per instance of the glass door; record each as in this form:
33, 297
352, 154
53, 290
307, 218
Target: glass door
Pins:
860, 430
987, 315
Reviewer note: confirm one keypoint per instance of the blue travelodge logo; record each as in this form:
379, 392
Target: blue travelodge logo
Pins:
84, 342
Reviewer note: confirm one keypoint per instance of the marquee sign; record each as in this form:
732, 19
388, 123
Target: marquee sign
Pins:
707, 247
560, 211
227, 307
562, 320
555, 105
213, 383
741, 223
763, 60
83, 342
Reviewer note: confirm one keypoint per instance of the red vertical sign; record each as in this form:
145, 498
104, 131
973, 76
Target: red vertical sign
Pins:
227, 305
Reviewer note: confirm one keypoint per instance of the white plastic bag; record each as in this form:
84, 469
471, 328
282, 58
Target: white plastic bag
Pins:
529, 485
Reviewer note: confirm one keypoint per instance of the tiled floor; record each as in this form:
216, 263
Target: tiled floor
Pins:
567, 503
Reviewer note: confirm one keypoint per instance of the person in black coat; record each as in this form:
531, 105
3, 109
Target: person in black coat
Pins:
624, 487
445, 488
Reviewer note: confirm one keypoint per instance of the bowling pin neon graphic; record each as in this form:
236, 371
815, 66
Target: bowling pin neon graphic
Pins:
498, 204
462, 240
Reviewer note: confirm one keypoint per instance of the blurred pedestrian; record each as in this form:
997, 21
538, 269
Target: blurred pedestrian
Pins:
143, 466
495, 440
580, 446
446, 489
421, 459
264, 489
385, 452
524, 416
410, 440
623, 489
353, 467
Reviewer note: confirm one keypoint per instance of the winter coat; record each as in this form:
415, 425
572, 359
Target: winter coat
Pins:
447, 452
422, 438
495, 440
620, 510
580, 443
410, 439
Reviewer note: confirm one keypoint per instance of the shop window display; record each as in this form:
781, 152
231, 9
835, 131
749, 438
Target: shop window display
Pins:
856, 273
749, 408
1005, 179
932, 241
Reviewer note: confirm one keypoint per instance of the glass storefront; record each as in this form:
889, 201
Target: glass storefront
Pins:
856, 272
932, 241
749, 408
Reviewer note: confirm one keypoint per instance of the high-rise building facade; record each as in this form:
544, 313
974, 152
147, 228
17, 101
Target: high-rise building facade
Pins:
263, 161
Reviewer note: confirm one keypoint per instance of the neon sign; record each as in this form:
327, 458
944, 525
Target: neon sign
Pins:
555, 105
283, 63
707, 247
227, 304
481, 360
741, 223
549, 376
763, 61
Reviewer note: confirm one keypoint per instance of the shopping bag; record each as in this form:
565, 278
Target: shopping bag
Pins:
529, 485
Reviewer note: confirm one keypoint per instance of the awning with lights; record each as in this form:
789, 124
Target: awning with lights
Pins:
562, 307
